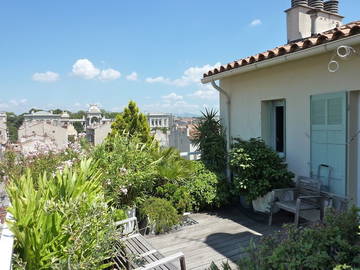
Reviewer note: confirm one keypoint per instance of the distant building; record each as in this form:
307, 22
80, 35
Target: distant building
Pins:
33, 134
160, 120
56, 130
96, 134
3, 129
97, 126
180, 138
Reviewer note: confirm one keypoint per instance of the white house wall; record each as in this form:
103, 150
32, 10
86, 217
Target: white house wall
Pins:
295, 82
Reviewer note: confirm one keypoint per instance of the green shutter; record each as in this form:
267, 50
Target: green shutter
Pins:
328, 139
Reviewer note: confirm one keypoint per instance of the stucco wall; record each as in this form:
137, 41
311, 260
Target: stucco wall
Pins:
295, 82
58, 134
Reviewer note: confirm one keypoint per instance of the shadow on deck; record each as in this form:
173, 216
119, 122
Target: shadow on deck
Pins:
219, 236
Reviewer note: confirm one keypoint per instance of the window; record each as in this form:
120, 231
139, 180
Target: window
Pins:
273, 124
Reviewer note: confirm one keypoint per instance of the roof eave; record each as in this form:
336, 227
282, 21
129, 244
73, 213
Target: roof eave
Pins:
318, 49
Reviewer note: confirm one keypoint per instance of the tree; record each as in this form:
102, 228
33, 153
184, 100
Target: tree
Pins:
133, 122
13, 123
210, 141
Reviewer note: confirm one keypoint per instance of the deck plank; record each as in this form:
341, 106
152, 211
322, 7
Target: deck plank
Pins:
216, 237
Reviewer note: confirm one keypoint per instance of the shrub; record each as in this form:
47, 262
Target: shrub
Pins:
321, 246
162, 215
179, 196
129, 169
257, 169
62, 222
203, 187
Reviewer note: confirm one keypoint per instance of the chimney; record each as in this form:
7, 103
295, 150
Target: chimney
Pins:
332, 6
311, 17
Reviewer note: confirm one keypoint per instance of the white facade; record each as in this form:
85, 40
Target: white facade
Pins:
97, 133
3, 129
160, 120
180, 138
295, 83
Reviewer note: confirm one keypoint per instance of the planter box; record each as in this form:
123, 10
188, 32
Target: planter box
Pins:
6, 245
263, 204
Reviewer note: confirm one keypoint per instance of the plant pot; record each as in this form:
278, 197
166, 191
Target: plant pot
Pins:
263, 204
244, 202
131, 212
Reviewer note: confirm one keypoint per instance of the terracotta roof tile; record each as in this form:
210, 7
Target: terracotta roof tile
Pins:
343, 31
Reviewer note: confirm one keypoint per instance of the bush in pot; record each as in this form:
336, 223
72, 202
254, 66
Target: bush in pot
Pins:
257, 169
161, 214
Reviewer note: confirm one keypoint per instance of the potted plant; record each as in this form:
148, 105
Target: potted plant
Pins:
257, 171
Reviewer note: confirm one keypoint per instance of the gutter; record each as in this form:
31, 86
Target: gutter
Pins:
228, 102
318, 49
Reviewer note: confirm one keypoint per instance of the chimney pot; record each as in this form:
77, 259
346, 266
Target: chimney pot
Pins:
318, 4
295, 3
332, 6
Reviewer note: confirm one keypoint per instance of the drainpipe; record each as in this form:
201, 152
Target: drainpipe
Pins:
228, 102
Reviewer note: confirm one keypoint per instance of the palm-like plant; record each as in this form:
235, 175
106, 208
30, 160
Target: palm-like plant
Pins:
210, 141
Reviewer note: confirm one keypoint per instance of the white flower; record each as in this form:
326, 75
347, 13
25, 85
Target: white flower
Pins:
124, 190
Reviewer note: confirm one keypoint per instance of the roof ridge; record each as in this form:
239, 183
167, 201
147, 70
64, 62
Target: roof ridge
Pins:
346, 30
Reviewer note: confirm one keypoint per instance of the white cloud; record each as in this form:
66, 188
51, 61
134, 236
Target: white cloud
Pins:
172, 97
205, 94
84, 68
132, 76
158, 80
177, 107
191, 75
47, 76
109, 74
13, 103
256, 22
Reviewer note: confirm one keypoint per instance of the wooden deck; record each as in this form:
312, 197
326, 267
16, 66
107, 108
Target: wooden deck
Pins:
217, 237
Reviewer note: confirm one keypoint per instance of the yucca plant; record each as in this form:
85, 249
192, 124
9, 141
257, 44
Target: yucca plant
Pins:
63, 221
210, 140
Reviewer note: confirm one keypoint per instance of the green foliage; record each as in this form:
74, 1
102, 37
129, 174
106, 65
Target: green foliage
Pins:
203, 187
129, 168
133, 122
61, 222
224, 266
170, 166
179, 196
13, 123
257, 169
161, 214
14, 165
322, 246
210, 140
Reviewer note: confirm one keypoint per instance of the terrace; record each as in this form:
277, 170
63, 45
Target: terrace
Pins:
217, 237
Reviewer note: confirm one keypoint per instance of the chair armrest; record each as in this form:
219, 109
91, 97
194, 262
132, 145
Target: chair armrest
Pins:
309, 197
284, 189
125, 221
177, 256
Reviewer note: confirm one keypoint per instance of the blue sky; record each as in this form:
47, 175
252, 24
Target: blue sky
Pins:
68, 54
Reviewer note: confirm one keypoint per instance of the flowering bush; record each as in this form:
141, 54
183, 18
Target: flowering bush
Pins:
128, 169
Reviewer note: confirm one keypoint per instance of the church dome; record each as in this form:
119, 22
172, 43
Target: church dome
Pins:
65, 115
94, 109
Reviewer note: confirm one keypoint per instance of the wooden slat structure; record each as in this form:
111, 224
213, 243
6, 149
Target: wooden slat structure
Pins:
217, 237
135, 252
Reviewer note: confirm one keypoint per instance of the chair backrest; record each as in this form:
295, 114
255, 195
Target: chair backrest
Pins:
306, 186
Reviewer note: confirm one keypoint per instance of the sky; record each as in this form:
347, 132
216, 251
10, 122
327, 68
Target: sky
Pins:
68, 54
